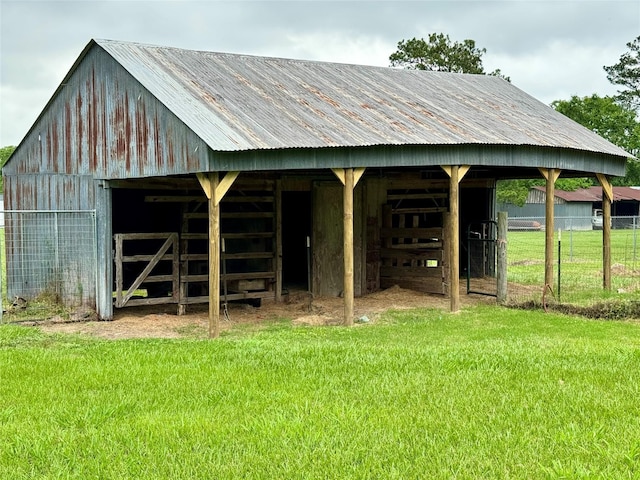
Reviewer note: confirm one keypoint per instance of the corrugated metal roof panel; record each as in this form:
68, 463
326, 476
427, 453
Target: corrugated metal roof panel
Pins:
594, 194
240, 102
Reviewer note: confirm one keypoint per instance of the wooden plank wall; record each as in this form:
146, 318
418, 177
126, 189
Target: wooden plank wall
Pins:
327, 238
249, 229
412, 237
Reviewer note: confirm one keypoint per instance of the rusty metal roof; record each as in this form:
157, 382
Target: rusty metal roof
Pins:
240, 102
594, 194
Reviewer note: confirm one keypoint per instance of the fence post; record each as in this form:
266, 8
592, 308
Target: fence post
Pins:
635, 226
501, 274
56, 257
559, 260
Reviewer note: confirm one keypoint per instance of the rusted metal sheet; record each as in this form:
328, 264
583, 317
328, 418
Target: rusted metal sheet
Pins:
127, 110
49, 192
590, 194
102, 122
239, 102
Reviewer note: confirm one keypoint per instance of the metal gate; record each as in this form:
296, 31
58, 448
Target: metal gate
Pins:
482, 258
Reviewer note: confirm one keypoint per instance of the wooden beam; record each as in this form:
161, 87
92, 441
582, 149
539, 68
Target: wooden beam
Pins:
205, 183
454, 242
173, 198
555, 173
607, 199
224, 185
339, 172
462, 170
221, 188
357, 175
348, 289
607, 189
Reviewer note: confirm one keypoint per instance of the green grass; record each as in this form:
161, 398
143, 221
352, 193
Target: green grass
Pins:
488, 393
581, 267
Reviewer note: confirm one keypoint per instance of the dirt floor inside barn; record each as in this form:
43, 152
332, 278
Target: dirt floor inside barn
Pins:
163, 322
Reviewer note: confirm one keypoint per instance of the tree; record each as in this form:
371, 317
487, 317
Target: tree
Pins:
516, 191
602, 115
439, 54
627, 74
513, 191
613, 121
605, 117
5, 153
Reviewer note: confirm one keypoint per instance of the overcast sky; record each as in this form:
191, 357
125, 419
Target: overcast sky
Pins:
551, 49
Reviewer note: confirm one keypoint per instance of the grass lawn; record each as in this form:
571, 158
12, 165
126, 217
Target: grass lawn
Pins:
487, 393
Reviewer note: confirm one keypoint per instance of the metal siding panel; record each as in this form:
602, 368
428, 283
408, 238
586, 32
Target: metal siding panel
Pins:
415, 156
104, 248
49, 192
104, 123
145, 138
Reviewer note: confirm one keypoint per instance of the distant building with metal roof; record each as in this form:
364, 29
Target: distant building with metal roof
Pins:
591, 194
574, 209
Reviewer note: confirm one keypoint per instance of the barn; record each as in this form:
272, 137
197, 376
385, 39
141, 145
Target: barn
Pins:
272, 174
574, 210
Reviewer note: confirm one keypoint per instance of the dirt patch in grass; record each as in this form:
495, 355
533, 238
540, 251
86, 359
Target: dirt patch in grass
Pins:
297, 307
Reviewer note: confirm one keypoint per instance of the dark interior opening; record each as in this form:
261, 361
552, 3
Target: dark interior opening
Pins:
476, 256
296, 226
132, 214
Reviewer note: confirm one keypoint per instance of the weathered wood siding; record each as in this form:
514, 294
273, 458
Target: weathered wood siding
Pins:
327, 248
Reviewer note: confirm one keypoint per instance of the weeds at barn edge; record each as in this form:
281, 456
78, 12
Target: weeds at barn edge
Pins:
601, 310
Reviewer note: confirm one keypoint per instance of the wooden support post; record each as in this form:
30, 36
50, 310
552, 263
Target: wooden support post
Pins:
551, 175
278, 240
454, 245
209, 184
348, 246
215, 190
349, 177
607, 199
456, 173
502, 258
446, 254
606, 243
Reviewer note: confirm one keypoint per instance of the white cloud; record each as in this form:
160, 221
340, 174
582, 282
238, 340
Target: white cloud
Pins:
550, 48
340, 47
559, 70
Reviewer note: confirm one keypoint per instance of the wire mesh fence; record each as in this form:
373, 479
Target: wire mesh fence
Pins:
49, 254
578, 248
